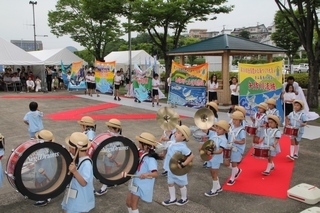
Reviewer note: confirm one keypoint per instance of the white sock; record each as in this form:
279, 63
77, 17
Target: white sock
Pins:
183, 192
296, 152
269, 167
172, 192
215, 185
272, 165
233, 173
230, 166
135, 211
104, 187
129, 210
292, 150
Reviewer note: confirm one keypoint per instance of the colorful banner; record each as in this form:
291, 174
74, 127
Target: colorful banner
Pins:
258, 83
77, 79
142, 83
188, 85
104, 73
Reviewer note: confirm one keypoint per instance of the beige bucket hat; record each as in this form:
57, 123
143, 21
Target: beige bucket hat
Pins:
271, 101
214, 105
185, 131
78, 139
223, 124
114, 123
45, 135
300, 102
86, 121
241, 109
275, 118
237, 115
263, 105
147, 138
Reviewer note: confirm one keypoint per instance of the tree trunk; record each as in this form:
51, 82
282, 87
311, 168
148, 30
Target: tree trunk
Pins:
313, 85
168, 63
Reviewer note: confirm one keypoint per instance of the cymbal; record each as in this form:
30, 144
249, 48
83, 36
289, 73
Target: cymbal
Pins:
207, 146
204, 118
173, 164
167, 118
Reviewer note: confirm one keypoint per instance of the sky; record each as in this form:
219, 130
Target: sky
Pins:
17, 20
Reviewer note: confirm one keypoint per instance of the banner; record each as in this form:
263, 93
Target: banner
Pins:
142, 83
104, 73
188, 85
258, 83
77, 79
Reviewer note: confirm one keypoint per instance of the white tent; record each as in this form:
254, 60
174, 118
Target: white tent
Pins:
139, 57
55, 56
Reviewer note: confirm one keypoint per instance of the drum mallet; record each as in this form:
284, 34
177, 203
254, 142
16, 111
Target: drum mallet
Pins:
75, 157
125, 174
43, 172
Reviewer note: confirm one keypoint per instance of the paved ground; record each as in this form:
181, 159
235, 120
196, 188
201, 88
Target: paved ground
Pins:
15, 131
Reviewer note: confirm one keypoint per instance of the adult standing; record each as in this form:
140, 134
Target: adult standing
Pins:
49, 78
212, 86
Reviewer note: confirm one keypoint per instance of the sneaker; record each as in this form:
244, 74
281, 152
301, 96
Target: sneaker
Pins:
272, 168
101, 192
211, 194
168, 202
98, 95
119, 99
265, 173
182, 202
152, 104
290, 157
139, 101
219, 190
165, 173
204, 165
115, 98
42, 202
230, 182
295, 156
238, 173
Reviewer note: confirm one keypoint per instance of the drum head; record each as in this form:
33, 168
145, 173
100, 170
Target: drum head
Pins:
41, 171
113, 156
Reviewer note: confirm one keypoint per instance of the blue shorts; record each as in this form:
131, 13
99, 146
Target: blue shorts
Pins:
236, 156
179, 180
213, 164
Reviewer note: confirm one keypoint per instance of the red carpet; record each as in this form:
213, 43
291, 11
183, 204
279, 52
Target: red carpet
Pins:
39, 96
275, 185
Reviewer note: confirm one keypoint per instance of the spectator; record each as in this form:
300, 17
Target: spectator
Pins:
55, 83
49, 78
15, 78
38, 84
30, 84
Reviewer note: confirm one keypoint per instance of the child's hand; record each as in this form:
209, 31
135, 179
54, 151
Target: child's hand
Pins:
72, 167
143, 176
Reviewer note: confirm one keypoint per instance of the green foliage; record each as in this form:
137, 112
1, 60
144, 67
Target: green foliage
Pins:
301, 78
219, 74
87, 56
244, 34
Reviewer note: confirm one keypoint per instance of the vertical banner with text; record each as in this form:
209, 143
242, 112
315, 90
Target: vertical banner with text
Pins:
104, 74
188, 85
77, 79
258, 83
142, 83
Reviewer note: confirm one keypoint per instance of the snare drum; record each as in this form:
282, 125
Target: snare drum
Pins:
227, 153
193, 129
261, 152
200, 136
111, 155
291, 131
251, 130
38, 169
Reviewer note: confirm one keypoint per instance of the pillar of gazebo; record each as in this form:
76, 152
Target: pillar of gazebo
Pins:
182, 59
269, 58
225, 94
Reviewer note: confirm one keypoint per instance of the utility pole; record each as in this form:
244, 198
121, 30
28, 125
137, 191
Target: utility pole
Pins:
34, 25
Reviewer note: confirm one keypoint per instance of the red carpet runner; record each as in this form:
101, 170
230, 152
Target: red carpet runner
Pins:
275, 185
39, 96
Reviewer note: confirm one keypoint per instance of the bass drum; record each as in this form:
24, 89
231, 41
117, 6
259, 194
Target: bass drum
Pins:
111, 156
38, 169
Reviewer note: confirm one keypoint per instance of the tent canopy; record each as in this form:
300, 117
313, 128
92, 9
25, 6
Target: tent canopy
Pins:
10, 54
55, 56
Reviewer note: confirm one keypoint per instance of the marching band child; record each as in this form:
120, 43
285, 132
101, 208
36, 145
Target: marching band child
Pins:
33, 119
222, 128
88, 127
115, 129
297, 119
1, 155
271, 139
79, 197
244, 112
260, 120
167, 139
141, 186
237, 140
272, 110
182, 136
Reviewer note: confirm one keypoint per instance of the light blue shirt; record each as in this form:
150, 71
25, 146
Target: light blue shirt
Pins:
238, 134
273, 111
176, 147
296, 118
34, 118
220, 142
90, 134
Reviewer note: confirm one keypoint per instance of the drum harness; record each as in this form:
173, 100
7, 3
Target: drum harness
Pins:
272, 135
233, 136
297, 119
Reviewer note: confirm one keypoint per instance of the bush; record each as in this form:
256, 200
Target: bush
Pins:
301, 78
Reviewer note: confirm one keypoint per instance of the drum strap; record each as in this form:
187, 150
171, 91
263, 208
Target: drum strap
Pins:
141, 160
272, 135
83, 161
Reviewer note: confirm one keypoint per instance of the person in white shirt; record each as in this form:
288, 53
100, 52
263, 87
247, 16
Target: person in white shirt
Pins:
155, 89
290, 80
235, 88
15, 78
38, 84
288, 97
212, 87
30, 85
117, 82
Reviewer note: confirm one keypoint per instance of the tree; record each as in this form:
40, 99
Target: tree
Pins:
87, 23
302, 17
184, 41
159, 18
244, 34
284, 36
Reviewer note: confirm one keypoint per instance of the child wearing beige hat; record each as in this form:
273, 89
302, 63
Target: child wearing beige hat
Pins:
88, 127
260, 121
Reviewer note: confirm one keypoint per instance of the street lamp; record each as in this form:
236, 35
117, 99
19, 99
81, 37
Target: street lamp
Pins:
129, 39
34, 25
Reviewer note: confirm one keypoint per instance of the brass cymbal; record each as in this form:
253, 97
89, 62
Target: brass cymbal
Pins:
167, 118
209, 145
173, 164
204, 118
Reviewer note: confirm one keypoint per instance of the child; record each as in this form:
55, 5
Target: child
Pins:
30, 84
55, 83
33, 119
237, 141
288, 97
88, 127
235, 88
94, 84
272, 110
244, 112
38, 84
260, 120
222, 128
212, 87
271, 139
1, 155
117, 82
182, 136
155, 89
115, 129
298, 120
141, 187
167, 139
213, 106
80, 198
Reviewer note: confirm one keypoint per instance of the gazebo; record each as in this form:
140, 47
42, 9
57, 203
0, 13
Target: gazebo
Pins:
226, 45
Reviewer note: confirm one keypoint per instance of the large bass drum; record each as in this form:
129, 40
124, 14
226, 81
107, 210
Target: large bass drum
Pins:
38, 169
112, 155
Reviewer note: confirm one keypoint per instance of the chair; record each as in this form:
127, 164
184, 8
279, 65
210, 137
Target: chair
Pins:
18, 86
10, 85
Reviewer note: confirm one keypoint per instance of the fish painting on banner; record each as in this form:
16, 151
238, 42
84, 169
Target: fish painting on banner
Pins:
142, 83
258, 83
188, 85
77, 79
104, 74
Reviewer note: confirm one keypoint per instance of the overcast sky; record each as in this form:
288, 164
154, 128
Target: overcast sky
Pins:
17, 20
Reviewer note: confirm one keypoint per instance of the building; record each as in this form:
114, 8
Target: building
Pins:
198, 33
257, 33
27, 45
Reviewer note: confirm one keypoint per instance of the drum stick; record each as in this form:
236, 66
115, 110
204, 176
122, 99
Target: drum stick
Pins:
124, 174
301, 122
75, 157
43, 172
